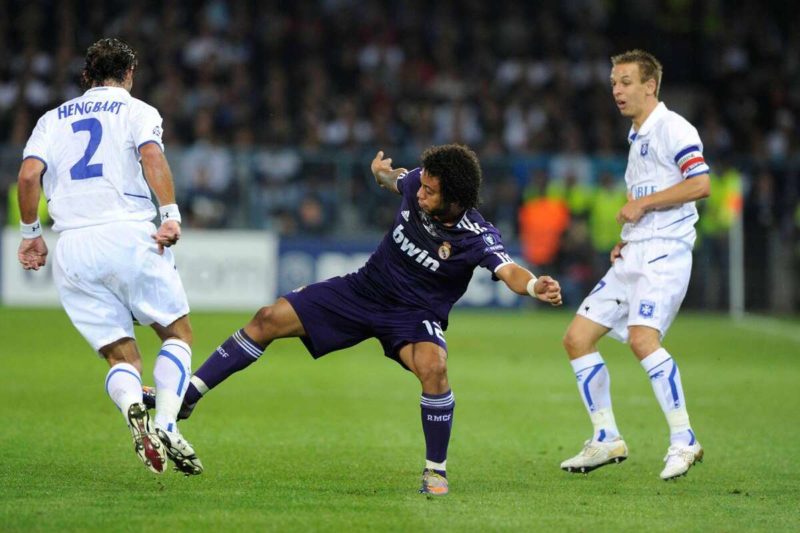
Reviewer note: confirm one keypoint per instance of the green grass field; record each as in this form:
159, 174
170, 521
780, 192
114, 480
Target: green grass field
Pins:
336, 444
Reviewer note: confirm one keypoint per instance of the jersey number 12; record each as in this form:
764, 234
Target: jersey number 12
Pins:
82, 169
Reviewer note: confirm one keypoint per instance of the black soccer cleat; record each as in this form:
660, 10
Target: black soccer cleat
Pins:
149, 401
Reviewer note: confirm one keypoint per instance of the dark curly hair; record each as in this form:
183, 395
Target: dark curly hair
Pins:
107, 59
458, 171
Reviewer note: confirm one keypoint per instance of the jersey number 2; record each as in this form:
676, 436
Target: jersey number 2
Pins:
82, 169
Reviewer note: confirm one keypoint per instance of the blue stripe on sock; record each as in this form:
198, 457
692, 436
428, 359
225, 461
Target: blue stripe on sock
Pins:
180, 367
170, 426
602, 436
181, 346
691, 434
586, 392
108, 378
673, 387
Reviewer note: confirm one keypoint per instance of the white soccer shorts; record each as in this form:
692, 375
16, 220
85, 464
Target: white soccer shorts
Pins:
645, 287
109, 274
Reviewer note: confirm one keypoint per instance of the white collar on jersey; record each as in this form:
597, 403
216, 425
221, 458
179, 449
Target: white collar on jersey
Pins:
111, 88
659, 111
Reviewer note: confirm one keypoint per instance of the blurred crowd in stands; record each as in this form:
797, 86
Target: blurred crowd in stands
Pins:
273, 109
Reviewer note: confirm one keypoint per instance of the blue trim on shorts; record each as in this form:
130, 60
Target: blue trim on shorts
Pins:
136, 195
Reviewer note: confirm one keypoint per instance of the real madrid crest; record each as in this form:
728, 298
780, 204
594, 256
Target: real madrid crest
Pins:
444, 250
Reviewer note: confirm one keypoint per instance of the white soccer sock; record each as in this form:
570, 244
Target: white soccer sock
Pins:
666, 380
171, 373
124, 386
594, 385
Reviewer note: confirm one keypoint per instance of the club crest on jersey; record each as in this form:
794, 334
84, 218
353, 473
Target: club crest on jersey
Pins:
645, 146
444, 250
405, 213
646, 308
489, 239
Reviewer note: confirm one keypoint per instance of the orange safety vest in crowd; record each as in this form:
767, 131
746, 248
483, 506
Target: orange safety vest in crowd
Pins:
542, 221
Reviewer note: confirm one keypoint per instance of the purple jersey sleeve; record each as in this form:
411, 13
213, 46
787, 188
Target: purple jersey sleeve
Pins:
488, 252
409, 183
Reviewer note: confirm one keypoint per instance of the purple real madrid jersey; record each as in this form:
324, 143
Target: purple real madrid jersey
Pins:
423, 264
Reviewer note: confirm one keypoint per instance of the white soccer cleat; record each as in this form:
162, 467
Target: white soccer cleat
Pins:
180, 452
596, 454
680, 459
146, 443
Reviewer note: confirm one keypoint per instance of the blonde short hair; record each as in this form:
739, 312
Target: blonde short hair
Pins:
649, 67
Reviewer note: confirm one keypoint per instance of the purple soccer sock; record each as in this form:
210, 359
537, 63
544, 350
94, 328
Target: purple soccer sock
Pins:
237, 353
437, 422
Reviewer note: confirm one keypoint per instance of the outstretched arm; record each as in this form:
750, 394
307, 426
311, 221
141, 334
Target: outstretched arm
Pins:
686, 191
521, 281
32, 252
159, 178
385, 176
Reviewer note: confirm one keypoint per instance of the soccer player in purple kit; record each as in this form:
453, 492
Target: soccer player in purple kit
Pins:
402, 296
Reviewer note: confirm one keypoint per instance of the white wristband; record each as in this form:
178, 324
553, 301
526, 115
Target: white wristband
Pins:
530, 285
31, 231
170, 212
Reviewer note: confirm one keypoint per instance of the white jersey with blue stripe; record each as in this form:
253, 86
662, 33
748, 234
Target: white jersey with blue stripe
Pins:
90, 148
665, 151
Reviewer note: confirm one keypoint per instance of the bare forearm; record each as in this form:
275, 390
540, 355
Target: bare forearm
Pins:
29, 189
685, 191
159, 177
516, 278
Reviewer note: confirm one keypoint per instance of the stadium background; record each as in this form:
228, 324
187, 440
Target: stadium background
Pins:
272, 111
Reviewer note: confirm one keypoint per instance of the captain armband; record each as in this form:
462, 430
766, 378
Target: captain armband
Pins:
32, 230
530, 287
170, 212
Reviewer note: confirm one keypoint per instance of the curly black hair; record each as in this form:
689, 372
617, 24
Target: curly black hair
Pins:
107, 59
458, 170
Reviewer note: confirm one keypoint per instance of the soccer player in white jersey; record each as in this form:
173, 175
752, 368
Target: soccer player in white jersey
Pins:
95, 156
639, 297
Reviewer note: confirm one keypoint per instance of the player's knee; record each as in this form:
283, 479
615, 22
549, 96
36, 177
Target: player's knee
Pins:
575, 344
263, 318
432, 369
643, 345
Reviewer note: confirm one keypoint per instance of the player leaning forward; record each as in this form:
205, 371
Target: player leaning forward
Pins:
402, 296
110, 264
639, 297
